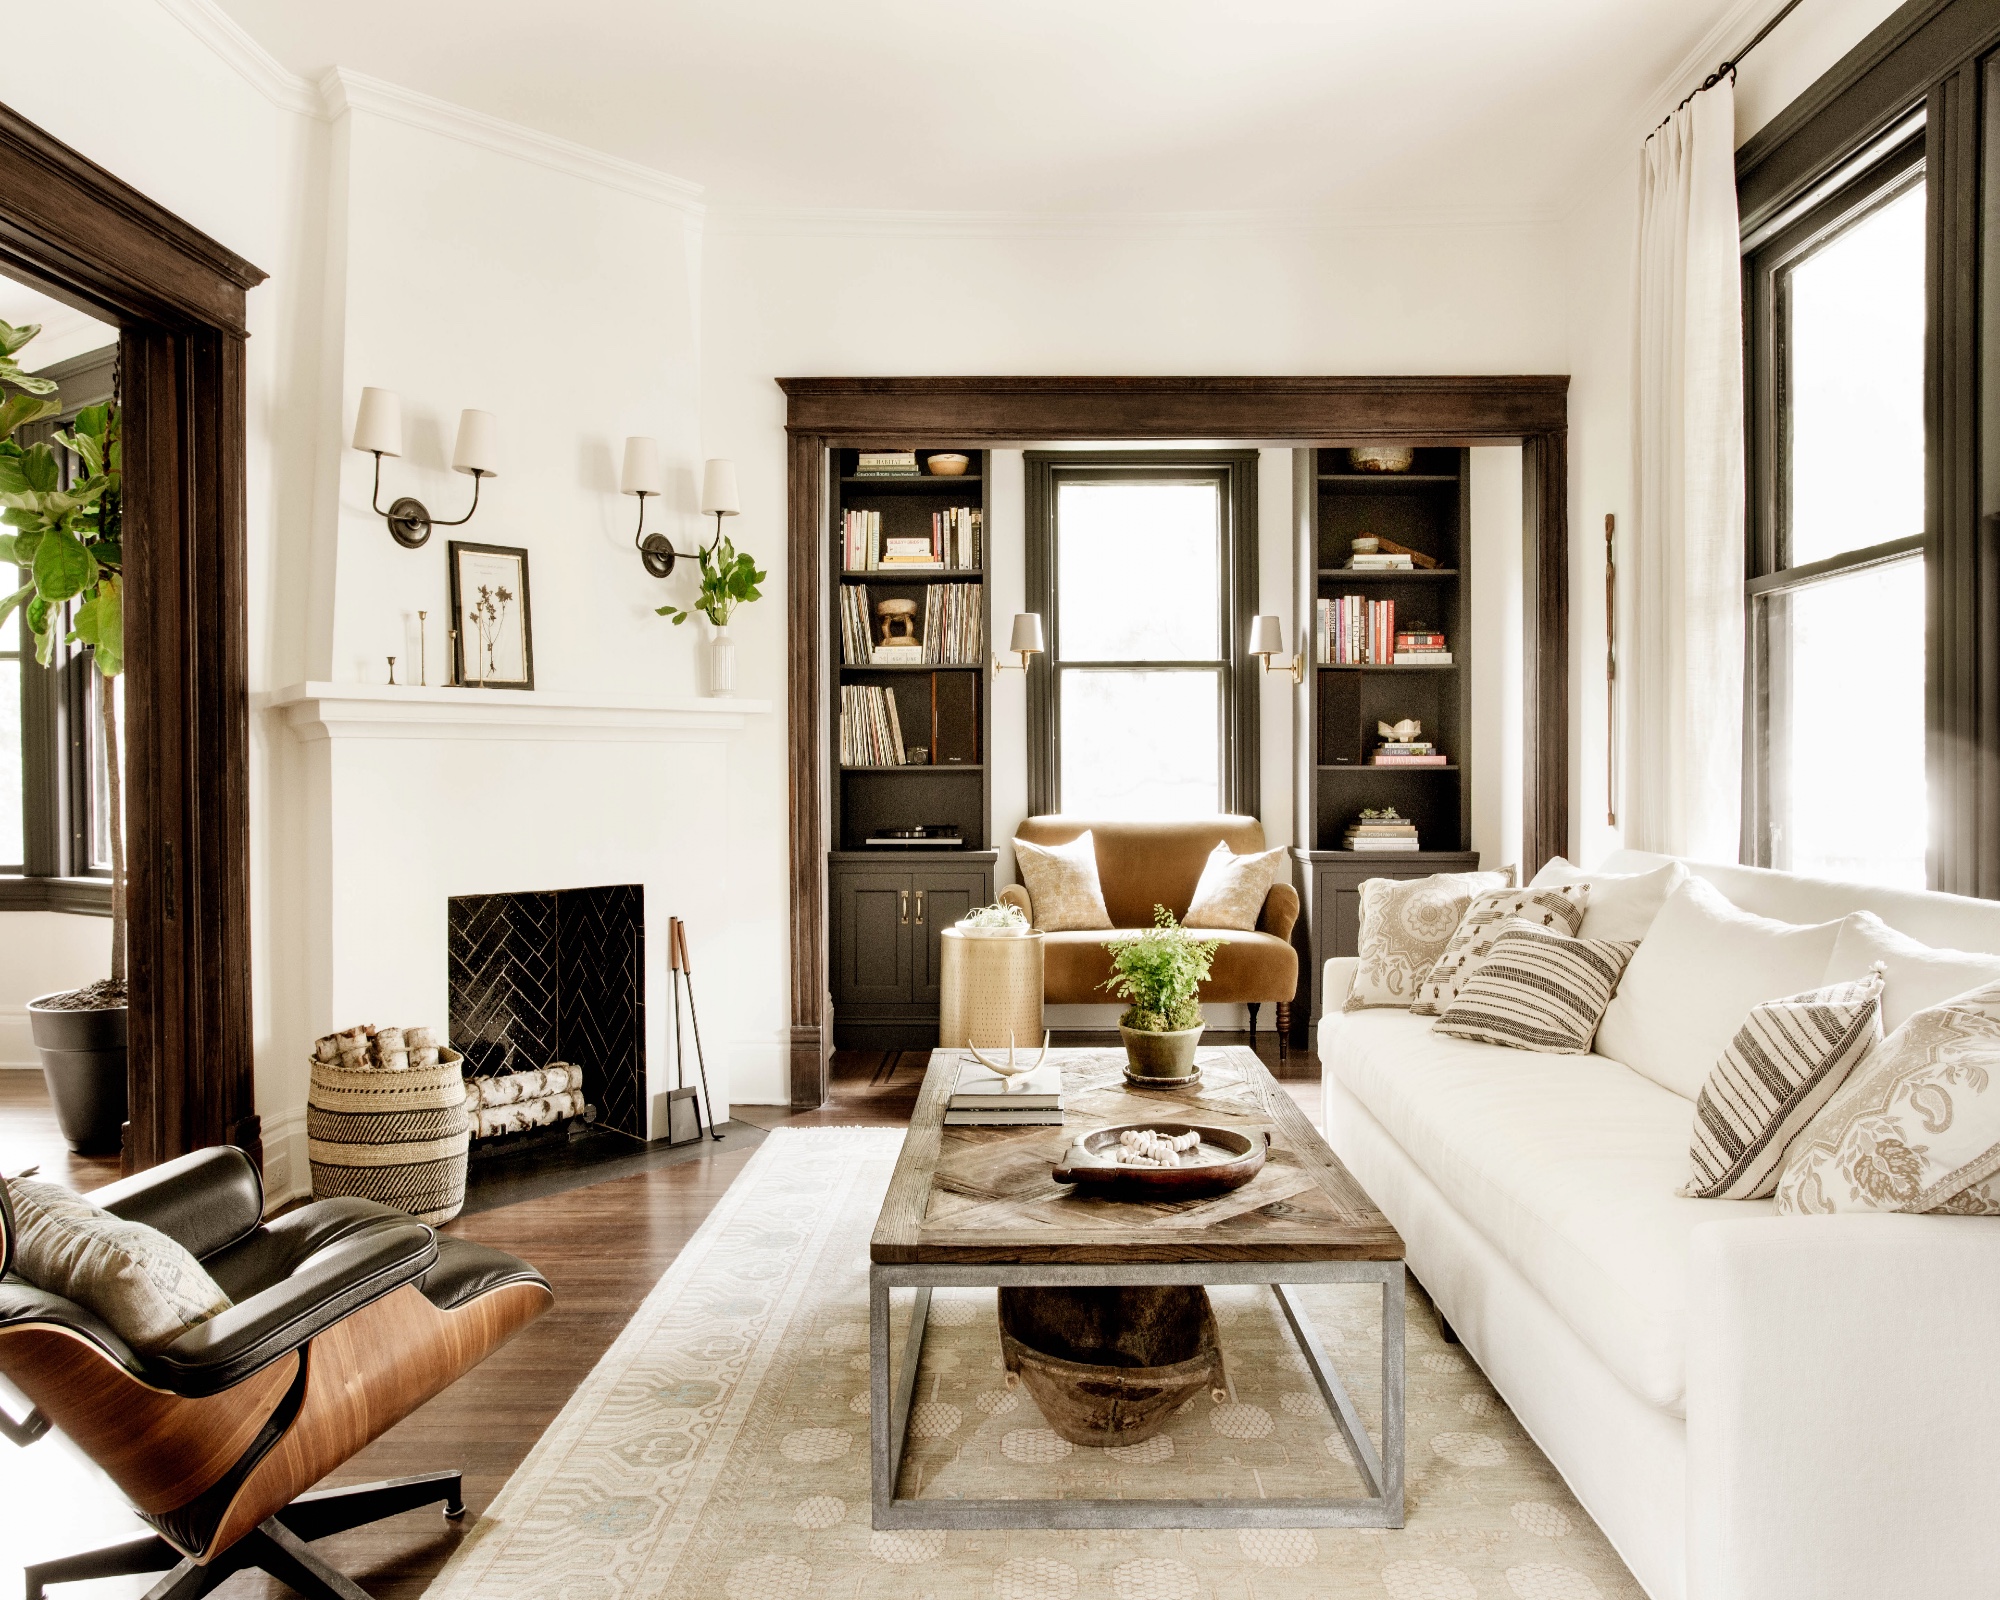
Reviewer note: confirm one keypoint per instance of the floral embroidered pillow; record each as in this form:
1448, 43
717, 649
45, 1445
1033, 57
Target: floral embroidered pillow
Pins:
1558, 908
1062, 883
1917, 1125
1406, 924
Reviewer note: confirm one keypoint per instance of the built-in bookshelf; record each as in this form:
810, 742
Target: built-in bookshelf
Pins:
909, 730
1341, 769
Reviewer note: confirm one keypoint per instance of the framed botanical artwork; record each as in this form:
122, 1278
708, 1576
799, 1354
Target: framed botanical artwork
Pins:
492, 642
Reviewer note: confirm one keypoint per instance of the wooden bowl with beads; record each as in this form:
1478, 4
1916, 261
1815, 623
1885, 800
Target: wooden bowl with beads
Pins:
1226, 1159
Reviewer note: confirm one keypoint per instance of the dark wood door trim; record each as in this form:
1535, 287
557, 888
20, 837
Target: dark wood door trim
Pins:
827, 413
178, 299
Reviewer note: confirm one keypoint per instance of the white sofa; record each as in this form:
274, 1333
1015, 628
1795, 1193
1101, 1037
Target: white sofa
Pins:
1752, 1407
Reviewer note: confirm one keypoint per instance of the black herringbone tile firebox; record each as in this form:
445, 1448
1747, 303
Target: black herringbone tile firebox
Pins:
555, 976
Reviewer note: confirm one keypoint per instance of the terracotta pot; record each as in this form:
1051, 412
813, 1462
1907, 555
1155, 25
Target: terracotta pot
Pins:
83, 1062
1160, 1055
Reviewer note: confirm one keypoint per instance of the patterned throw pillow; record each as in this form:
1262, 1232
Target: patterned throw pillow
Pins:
1559, 908
1406, 923
1061, 880
1786, 1061
1233, 888
1917, 1125
144, 1285
1537, 990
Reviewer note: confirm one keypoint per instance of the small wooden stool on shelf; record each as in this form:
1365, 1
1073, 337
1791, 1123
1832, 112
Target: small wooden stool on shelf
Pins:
992, 986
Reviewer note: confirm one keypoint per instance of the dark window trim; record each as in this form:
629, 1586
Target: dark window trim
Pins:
1237, 471
83, 897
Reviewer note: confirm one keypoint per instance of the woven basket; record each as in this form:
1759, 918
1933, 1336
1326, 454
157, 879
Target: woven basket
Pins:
396, 1137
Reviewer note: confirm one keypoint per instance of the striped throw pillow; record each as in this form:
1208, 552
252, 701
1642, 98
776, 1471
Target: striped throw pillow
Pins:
1783, 1065
1537, 990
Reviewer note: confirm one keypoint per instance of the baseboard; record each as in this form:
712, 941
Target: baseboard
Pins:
287, 1168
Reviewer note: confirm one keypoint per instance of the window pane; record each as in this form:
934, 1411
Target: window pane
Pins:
1856, 398
1139, 571
100, 792
11, 854
1855, 777
1141, 744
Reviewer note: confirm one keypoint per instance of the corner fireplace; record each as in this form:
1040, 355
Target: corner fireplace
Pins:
555, 975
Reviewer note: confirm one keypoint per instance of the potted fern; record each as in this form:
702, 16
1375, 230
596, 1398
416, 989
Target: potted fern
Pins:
61, 509
1159, 974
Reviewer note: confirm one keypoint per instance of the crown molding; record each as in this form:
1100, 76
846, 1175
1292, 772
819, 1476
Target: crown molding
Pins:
860, 222
344, 91
250, 61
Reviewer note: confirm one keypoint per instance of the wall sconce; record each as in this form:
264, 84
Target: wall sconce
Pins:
1026, 641
378, 429
645, 475
1267, 639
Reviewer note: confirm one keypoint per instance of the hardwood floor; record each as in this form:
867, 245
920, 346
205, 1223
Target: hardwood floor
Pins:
602, 1247
29, 1137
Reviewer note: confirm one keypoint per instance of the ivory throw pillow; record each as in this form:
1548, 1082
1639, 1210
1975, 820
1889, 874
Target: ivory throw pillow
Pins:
1537, 990
1406, 923
1917, 1126
1701, 967
1915, 976
1622, 904
144, 1285
1786, 1061
1561, 909
1233, 888
1062, 883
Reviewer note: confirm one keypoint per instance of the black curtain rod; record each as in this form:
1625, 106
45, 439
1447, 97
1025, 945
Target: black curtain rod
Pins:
1728, 68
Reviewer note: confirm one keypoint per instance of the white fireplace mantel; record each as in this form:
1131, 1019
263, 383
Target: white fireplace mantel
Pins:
318, 711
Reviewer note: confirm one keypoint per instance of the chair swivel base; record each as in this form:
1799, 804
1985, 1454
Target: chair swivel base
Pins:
278, 1545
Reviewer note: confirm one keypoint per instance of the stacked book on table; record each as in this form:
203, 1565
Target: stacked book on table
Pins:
1385, 833
984, 1099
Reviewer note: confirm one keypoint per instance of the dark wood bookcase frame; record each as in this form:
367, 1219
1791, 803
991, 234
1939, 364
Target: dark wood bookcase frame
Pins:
177, 298
823, 414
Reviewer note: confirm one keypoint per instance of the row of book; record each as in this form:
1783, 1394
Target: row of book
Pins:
953, 632
1356, 631
870, 733
954, 543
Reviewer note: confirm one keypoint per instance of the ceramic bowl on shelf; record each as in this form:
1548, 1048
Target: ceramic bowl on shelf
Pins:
948, 465
1382, 458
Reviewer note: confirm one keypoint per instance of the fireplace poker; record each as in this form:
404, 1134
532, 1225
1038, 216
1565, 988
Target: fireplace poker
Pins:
677, 938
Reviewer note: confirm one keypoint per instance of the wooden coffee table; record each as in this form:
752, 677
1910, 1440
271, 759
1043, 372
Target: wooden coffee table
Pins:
976, 1208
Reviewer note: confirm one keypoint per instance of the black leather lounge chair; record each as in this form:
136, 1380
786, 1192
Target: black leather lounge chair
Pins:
347, 1316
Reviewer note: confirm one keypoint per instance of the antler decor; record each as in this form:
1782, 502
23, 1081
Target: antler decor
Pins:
1014, 1068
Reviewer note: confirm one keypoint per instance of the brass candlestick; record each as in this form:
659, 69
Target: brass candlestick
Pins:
423, 650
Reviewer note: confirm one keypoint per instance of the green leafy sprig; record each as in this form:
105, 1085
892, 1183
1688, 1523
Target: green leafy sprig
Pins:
728, 579
1160, 973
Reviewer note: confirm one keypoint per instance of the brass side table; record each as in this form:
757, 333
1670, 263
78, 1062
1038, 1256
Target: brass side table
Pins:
992, 985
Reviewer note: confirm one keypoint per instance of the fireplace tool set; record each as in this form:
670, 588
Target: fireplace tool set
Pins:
684, 1111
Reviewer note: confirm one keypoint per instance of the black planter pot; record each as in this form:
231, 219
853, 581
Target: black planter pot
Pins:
83, 1059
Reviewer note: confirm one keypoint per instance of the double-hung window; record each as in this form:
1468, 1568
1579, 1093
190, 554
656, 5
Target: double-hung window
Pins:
1835, 758
1143, 566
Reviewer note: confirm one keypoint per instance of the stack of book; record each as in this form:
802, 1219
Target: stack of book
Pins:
1388, 832
887, 464
954, 629
985, 1099
907, 550
1416, 647
1355, 631
1381, 561
860, 541
1407, 753
870, 734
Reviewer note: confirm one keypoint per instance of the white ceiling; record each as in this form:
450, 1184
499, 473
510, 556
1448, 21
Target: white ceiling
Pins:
66, 331
1374, 106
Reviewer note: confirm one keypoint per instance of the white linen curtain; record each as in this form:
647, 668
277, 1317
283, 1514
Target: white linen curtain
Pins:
1684, 722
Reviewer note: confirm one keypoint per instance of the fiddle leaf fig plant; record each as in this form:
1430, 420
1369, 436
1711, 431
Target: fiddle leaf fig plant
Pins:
61, 507
729, 579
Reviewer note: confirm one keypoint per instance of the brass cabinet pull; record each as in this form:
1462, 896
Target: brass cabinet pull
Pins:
904, 897
920, 908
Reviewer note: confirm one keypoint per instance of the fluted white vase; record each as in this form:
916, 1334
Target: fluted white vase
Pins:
722, 662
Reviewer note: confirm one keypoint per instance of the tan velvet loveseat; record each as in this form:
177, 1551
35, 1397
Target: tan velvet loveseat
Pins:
1143, 864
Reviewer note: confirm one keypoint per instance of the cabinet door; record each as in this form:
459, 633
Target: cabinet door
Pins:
875, 911
942, 897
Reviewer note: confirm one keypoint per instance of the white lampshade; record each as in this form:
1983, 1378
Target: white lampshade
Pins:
478, 444
1027, 637
718, 489
378, 425
1267, 636
644, 472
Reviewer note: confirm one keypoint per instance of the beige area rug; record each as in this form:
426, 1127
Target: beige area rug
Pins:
720, 1448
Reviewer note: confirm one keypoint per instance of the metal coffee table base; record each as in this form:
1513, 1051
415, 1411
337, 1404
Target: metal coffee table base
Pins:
889, 1415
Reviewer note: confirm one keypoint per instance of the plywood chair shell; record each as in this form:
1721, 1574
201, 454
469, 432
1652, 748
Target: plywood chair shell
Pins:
161, 1449
365, 1374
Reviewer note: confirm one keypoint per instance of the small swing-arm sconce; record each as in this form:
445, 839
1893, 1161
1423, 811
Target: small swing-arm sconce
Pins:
1267, 639
378, 429
1026, 641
